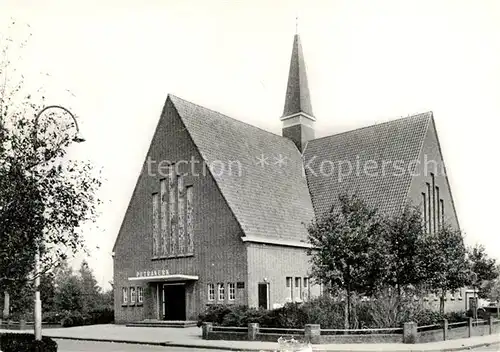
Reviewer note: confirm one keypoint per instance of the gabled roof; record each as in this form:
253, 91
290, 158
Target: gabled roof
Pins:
269, 200
397, 143
297, 97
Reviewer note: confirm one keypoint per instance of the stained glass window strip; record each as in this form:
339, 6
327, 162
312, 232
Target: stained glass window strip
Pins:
189, 219
172, 195
155, 224
165, 220
181, 209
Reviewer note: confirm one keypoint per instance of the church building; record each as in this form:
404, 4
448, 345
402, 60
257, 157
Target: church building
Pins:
220, 209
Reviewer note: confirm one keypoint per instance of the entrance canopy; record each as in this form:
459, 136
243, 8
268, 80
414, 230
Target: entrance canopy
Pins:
168, 277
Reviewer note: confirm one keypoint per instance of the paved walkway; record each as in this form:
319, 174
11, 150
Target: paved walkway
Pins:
191, 337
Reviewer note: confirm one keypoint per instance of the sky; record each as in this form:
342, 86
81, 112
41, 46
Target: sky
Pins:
367, 62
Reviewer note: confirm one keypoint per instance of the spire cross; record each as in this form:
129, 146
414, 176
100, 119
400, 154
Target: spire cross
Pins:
296, 24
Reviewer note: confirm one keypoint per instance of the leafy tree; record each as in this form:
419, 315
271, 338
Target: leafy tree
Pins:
48, 291
493, 292
45, 197
484, 267
443, 260
347, 249
69, 292
403, 233
90, 289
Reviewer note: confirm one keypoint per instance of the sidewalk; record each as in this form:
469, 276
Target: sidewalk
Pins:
191, 337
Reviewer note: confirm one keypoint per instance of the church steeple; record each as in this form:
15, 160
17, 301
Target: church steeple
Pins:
298, 119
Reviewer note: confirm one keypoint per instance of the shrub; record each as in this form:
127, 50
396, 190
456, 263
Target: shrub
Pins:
455, 317
214, 313
292, 315
26, 343
102, 316
52, 317
427, 317
242, 315
326, 311
74, 319
71, 318
381, 312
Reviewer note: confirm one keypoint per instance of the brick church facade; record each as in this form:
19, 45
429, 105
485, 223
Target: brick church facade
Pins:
220, 209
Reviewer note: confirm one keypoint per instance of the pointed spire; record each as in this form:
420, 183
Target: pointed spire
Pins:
297, 98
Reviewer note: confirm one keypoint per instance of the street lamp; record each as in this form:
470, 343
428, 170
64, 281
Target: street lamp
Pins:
473, 279
38, 303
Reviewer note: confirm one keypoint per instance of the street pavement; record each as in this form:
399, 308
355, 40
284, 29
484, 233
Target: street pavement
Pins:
87, 346
487, 348
91, 346
171, 339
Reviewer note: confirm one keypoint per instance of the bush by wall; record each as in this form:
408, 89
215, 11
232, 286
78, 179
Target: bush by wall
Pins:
327, 312
75, 318
26, 343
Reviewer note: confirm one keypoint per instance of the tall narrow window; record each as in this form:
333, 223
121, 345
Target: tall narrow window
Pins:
211, 292
164, 217
298, 289
189, 219
289, 288
306, 289
442, 211
181, 209
156, 219
140, 294
429, 206
231, 287
438, 211
221, 292
433, 203
424, 212
172, 195
132, 295
124, 295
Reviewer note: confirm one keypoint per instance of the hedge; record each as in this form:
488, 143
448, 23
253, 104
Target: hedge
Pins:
326, 312
69, 318
11, 342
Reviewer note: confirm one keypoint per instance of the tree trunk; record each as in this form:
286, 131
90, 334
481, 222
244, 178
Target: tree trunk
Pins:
441, 301
346, 310
348, 299
399, 308
6, 305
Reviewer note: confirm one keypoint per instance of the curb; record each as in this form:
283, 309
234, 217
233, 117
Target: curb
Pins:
226, 348
163, 344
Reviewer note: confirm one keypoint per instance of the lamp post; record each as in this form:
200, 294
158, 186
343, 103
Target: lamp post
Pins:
38, 303
473, 279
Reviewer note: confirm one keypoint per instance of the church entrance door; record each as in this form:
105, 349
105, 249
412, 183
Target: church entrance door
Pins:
174, 300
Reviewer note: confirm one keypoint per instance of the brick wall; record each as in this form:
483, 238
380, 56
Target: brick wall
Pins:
219, 253
275, 263
431, 152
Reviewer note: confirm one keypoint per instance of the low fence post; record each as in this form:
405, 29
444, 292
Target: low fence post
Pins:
253, 330
470, 327
410, 334
22, 324
490, 324
312, 333
206, 328
445, 329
